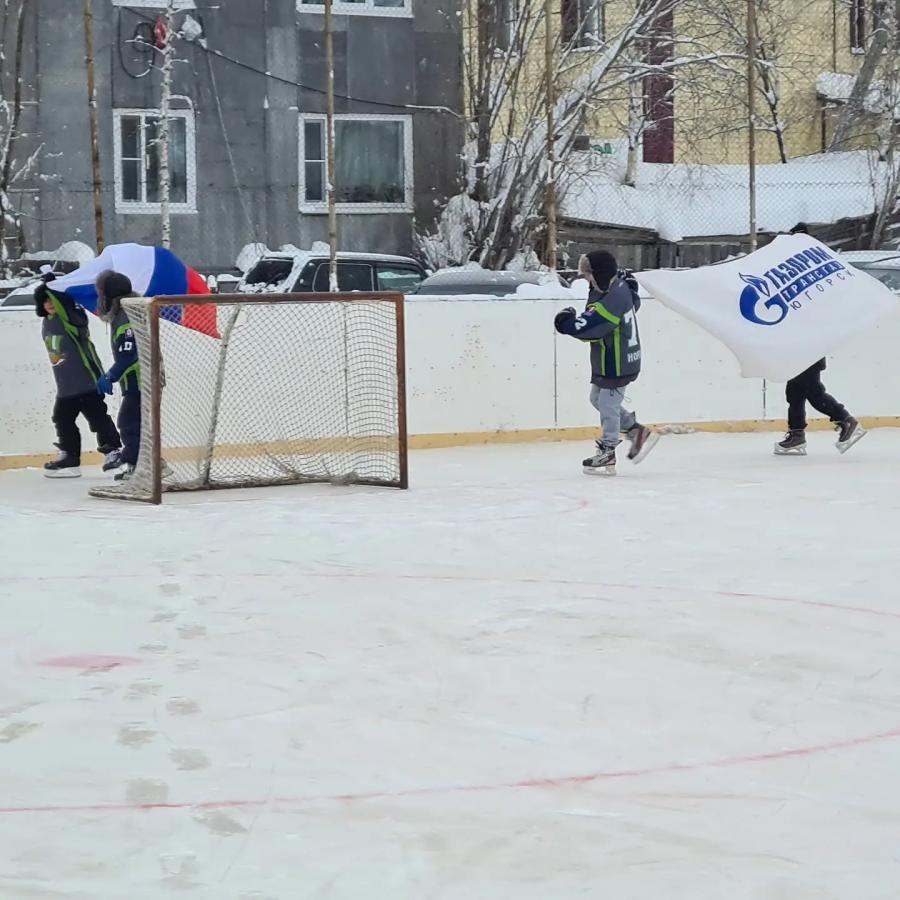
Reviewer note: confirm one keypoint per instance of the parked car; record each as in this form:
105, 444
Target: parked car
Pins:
457, 282
881, 264
20, 297
306, 271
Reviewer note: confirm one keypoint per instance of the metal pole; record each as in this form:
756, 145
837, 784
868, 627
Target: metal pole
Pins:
329, 143
751, 118
165, 175
550, 200
94, 126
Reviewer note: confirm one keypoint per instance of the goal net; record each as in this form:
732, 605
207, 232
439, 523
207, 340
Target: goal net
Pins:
249, 391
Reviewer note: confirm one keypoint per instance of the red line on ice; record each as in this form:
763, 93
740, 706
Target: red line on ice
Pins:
484, 579
545, 782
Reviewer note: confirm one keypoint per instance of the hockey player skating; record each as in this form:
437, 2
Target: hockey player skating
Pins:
76, 369
609, 323
806, 388
112, 287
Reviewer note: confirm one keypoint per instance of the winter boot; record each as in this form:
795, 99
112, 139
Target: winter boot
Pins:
66, 465
849, 432
794, 443
603, 462
643, 440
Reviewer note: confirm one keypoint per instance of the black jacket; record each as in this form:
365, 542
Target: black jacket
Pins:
609, 323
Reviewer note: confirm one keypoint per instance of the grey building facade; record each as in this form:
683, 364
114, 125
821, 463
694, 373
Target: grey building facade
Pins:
247, 123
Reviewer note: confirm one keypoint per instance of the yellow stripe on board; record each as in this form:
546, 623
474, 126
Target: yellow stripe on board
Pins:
454, 439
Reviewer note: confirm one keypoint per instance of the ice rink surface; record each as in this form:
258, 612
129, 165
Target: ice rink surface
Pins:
512, 682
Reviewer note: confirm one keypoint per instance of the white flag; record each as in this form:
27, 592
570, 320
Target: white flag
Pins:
779, 309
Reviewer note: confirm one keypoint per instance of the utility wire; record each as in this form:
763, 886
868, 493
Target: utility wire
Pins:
298, 84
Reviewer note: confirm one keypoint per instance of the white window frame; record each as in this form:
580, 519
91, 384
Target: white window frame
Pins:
366, 8
509, 28
372, 208
156, 4
581, 43
136, 207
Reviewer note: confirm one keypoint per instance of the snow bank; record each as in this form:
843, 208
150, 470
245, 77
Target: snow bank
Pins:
70, 251
552, 290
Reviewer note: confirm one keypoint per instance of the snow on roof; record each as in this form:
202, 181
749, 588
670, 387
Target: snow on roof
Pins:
253, 253
682, 201
837, 87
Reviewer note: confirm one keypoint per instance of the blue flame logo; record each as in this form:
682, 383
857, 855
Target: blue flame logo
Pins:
759, 292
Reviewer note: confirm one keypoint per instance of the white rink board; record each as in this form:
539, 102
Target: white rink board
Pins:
479, 365
496, 365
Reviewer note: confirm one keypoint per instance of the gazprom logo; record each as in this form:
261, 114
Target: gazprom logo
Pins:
785, 286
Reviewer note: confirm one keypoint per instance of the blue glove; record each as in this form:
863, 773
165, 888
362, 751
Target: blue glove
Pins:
104, 385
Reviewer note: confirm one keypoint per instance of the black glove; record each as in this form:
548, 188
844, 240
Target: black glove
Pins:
564, 315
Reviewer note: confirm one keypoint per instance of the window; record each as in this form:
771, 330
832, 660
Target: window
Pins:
373, 163
582, 23
360, 7
156, 4
866, 17
136, 136
507, 24
402, 279
351, 277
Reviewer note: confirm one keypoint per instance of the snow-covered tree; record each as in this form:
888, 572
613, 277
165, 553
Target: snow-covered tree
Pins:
789, 38
15, 162
869, 115
498, 217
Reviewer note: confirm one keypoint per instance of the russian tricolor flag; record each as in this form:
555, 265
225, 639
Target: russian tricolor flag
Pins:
154, 272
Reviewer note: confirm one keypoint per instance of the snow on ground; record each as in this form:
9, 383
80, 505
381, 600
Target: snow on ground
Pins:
512, 682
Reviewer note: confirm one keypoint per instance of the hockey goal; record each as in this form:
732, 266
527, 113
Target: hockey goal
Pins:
248, 391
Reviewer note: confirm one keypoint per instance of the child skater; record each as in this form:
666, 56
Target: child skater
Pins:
609, 324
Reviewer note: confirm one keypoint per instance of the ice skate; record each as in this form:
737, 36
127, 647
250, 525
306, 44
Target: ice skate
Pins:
849, 432
112, 461
66, 465
603, 462
643, 440
794, 443
125, 473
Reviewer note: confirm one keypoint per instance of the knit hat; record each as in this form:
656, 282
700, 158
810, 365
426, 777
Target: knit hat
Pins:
40, 297
111, 287
602, 265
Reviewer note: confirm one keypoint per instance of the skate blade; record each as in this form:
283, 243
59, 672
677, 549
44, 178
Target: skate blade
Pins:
599, 470
62, 473
794, 451
649, 444
855, 438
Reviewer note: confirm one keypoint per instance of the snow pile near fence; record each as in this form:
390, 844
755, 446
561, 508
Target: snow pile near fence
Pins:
70, 251
684, 201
